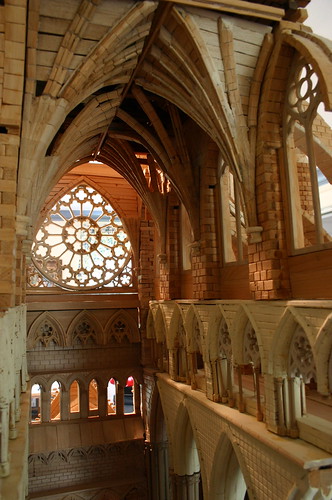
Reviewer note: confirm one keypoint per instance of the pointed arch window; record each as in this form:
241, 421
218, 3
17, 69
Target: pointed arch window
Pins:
81, 244
112, 389
234, 234
56, 401
36, 403
93, 398
74, 398
129, 396
308, 158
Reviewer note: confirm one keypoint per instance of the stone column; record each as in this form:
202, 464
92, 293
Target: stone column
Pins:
223, 396
158, 467
137, 398
186, 487
102, 400
4, 436
294, 406
64, 404
18, 387
259, 413
84, 402
281, 406
12, 420
45, 405
120, 400
241, 400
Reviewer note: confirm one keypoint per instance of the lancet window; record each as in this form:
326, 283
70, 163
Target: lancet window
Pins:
234, 234
308, 160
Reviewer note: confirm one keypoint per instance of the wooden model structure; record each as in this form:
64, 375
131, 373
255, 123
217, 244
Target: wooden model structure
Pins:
165, 251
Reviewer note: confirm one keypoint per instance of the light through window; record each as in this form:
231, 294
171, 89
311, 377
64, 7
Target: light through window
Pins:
82, 244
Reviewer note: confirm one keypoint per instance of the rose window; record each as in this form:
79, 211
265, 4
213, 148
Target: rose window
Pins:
82, 243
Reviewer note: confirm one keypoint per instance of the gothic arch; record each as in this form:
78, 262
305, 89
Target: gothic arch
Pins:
185, 453
39, 380
316, 53
238, 331
194, 331
281, 342
91, 330
45, 331
229, 476
150, 323
323, 349
176, 321
159, 325
121, 326
215, 321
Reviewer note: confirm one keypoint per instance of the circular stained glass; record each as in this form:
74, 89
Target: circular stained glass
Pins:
81, 243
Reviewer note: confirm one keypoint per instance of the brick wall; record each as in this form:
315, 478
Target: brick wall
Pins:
110, 465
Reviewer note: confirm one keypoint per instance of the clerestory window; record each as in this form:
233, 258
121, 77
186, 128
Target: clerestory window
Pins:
234, 234
308, 155
81, 244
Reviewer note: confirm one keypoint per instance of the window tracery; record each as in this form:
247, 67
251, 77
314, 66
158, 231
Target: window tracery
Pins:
301, 360
81, 244
46, 335
84, 333
309, 174
251, 348
225, 345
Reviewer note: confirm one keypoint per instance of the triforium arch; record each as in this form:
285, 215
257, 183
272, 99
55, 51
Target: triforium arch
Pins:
122, 327
46, 332
85, 329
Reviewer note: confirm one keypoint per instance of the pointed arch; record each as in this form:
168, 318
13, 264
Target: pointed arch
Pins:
318, 54
84, 329
122, 326
45, 332
323, 349
159, 325
194, 331
229, 475
241, 324
175, 324
278, 359
186, 458
215, 322
82, 244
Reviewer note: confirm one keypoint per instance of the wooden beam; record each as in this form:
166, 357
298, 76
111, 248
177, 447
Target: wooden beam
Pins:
240, 7
159, 18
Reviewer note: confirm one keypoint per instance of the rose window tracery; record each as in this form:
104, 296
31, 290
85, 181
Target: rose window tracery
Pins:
82, 244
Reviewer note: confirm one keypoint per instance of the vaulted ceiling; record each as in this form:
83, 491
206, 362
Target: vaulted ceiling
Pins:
113, 80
